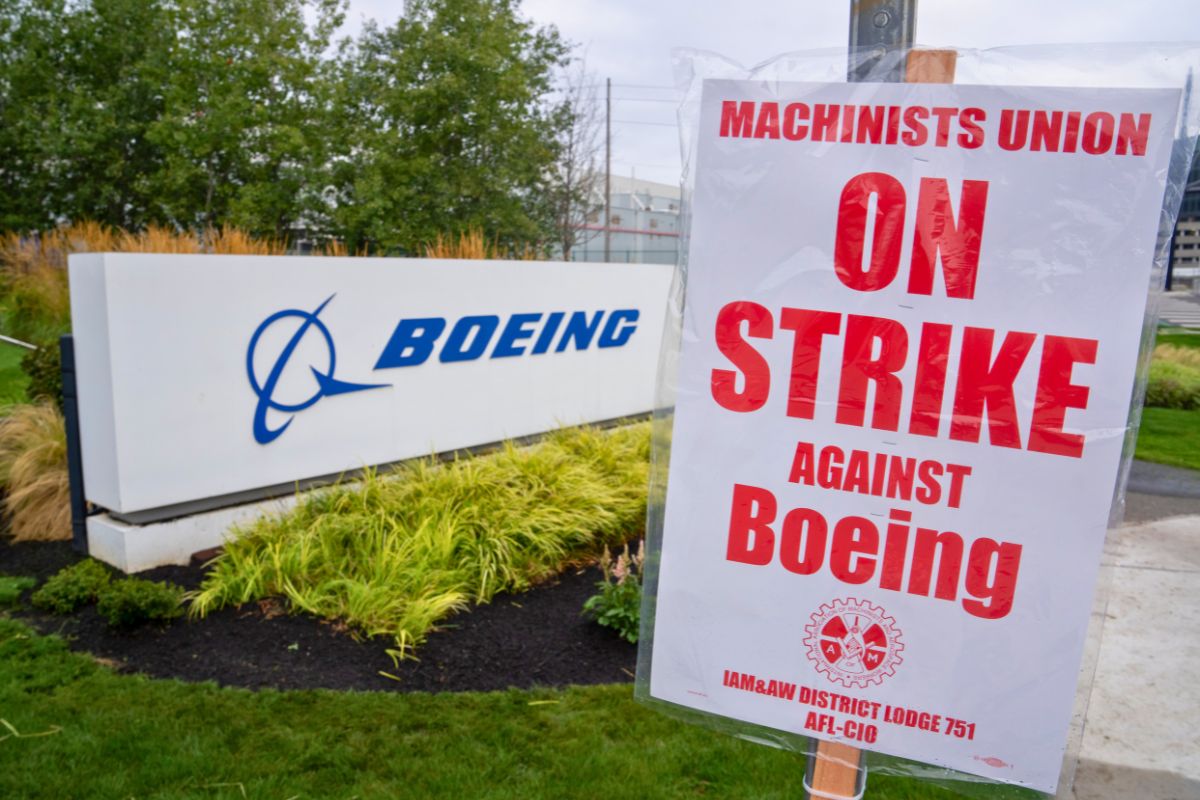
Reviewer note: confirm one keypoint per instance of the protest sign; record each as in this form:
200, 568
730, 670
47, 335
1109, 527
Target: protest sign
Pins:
909, 349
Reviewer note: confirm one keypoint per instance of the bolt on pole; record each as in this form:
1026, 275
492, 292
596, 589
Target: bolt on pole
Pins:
881, 32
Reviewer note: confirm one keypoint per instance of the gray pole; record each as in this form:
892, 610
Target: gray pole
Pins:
607, 170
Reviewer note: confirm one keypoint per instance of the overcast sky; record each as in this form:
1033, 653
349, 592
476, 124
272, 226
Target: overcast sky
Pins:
630, 41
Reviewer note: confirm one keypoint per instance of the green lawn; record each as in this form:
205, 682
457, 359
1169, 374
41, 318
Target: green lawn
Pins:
1177, 337
1170, 436
12, 380
114, 736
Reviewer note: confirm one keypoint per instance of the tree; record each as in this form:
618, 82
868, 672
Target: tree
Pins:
240, 130
32, 41
449, 127
190, 113
578, 177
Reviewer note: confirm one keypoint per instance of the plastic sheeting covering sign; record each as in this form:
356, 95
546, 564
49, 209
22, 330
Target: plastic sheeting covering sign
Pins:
909, 347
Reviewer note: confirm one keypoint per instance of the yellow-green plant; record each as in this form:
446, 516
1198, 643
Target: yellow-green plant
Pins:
1174, 379
33, 471
394, 555
1174, 354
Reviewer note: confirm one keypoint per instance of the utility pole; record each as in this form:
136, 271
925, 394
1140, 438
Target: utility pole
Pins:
607, 170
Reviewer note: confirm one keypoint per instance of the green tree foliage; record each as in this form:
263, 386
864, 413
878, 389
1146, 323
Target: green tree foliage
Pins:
239, 129
449, 126
201, 113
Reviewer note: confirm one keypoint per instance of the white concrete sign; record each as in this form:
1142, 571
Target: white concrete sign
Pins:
205, 376
909, 345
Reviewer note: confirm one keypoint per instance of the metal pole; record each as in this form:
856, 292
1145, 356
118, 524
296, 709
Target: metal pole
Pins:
881, 33
607, 170
1171, 258
70, 398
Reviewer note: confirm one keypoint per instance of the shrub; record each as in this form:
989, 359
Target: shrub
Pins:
33, 472
1177, 354
44, 368
618, 605
11, 589
130, 602
1173, 385
395, 555
73, 587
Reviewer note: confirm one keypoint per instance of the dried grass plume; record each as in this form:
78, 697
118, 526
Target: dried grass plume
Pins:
33, 471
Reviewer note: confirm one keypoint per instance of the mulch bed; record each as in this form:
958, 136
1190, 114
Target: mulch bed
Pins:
537, 638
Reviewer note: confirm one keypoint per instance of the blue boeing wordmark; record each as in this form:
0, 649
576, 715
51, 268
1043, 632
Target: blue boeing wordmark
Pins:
415, 340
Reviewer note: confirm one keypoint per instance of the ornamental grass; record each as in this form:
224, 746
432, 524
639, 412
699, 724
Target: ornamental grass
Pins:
472, 244
1174, 380
394, 555
33, 267
33, 472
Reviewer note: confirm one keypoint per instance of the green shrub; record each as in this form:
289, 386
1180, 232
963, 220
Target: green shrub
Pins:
130, 602
44, 368
1173, 385
394, 555
619, 602
72, 587
11, 589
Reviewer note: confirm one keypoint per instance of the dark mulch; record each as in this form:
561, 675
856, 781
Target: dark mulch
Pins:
533, 639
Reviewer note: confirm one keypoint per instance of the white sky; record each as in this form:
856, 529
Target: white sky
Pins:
630, 41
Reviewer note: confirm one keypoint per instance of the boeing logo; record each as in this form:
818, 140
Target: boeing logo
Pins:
326, 384
415, 340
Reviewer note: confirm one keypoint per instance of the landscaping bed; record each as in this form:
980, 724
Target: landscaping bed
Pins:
525, 640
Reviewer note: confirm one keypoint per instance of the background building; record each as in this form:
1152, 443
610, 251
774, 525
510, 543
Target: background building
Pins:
1186, 256
644, 224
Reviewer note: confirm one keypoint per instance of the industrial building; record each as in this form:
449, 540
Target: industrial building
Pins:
644, 228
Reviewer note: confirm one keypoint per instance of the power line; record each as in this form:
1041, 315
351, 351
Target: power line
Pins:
627, 86
640, 122
645, 164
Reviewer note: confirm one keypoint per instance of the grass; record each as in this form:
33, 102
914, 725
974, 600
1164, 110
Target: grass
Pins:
13, 380
88, 733
1177, 337
393, 556
1170, 436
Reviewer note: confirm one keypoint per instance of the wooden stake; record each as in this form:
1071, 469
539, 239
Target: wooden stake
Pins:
838, 766
931, 66
835, 773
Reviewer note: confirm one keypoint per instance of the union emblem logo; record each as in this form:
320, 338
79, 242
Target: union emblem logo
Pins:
854, 642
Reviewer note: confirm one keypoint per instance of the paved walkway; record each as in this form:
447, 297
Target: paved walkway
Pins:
1142, 736
1180, 308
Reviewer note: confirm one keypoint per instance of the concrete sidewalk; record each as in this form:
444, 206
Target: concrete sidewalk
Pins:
1142, 736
